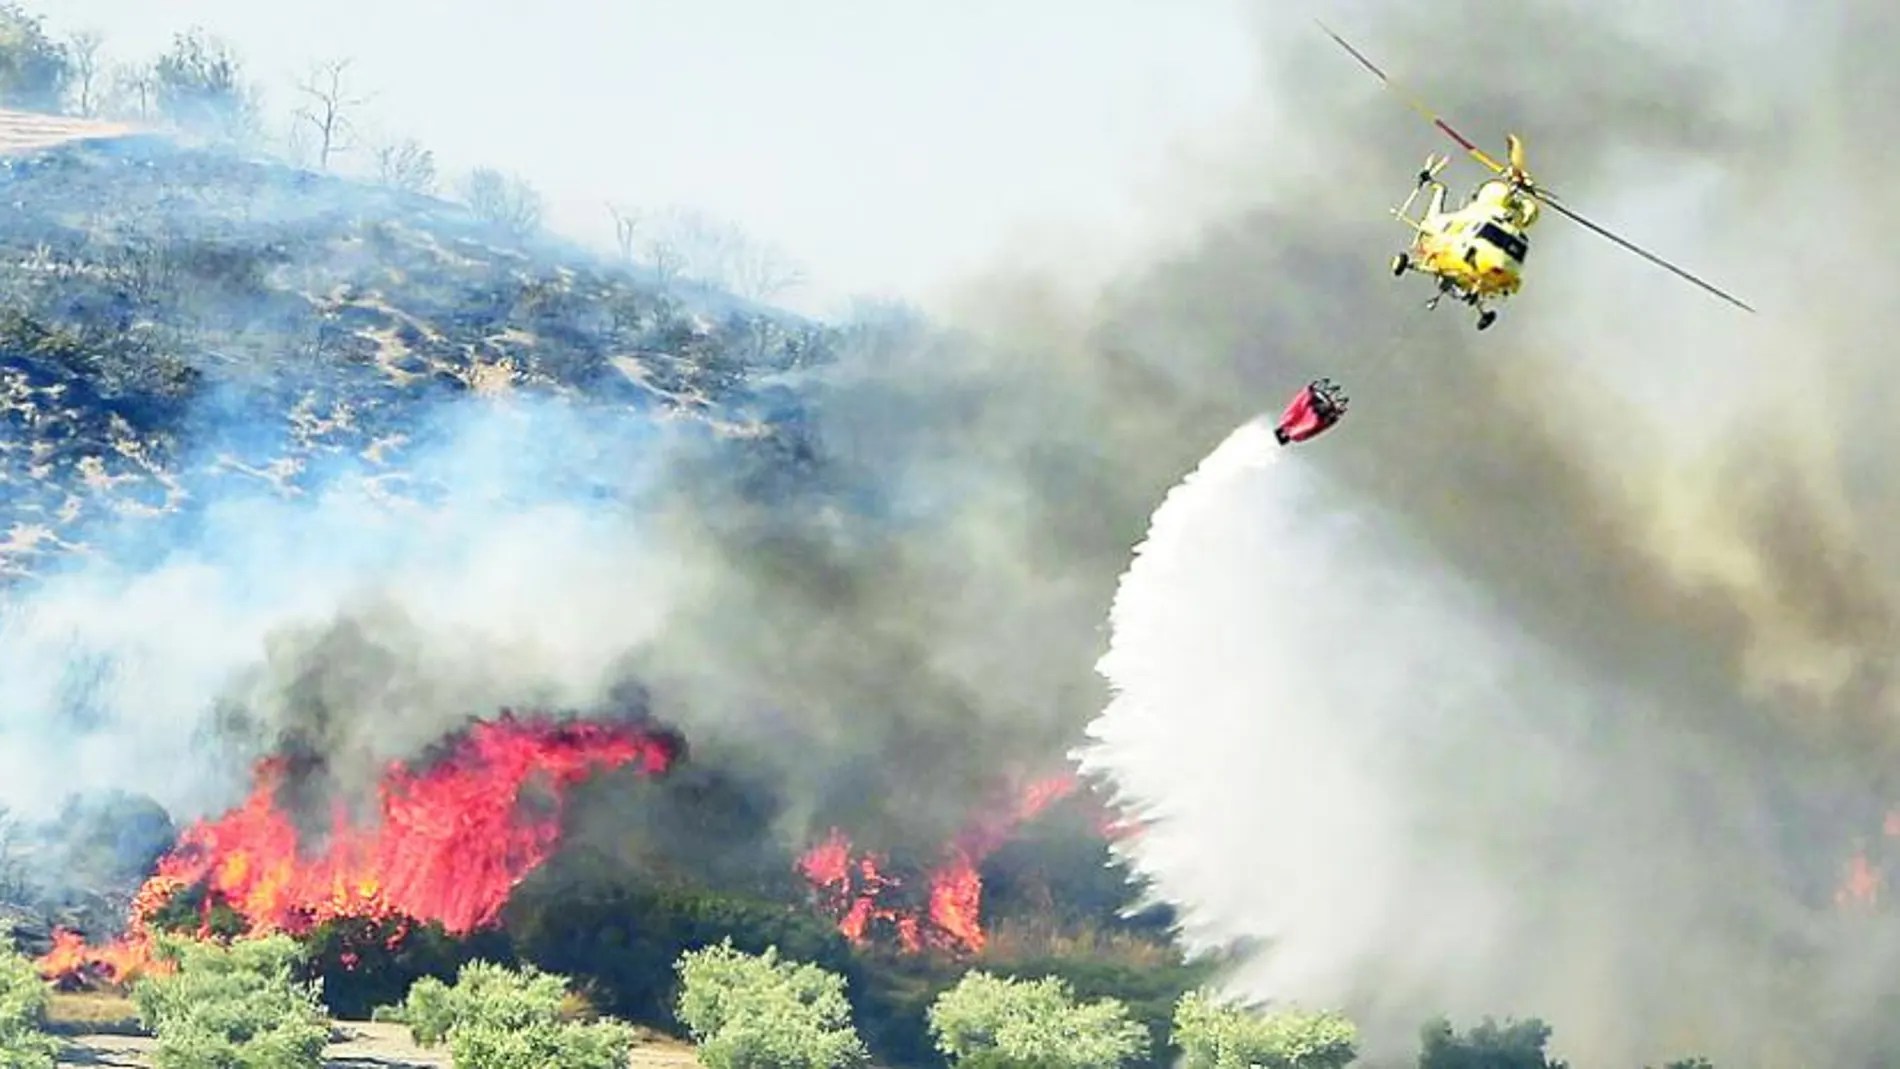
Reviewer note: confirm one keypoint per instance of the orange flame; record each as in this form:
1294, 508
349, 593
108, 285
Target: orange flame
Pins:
951, 919
1861, 884
452, 843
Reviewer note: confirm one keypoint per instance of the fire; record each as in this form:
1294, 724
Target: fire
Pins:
854, 891
1860, 885
453, 840
1863, 878
851, 890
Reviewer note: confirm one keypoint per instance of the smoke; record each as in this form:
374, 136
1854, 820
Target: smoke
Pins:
1675, 514
1558, 679
340, 624
1358, 756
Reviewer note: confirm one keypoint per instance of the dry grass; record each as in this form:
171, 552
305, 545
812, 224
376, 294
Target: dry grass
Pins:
92, 1012
578, 1006
1024, 941
91, 1007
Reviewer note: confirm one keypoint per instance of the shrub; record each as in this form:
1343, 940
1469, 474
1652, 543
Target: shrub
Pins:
626, 941
758, 1011
484, 993
1226, 1035
494, 1017
1148, 985
987, 1022
1511, 1045
238, 1005
366, 963
602, 1045
34, 69
23, 1000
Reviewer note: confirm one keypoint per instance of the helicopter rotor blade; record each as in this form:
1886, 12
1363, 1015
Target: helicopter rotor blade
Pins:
1572, 214
1432, 117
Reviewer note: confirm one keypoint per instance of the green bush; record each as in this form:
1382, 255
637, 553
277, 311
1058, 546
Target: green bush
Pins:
494, 1017
987, 1022
602, 1045
757, 1011
34, 68
626, 940
237, 1006
484, 993
1226, 1035
23, 999
1149, 989
1488, 1045
365, 963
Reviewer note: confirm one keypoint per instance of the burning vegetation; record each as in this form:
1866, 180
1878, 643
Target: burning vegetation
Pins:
452, 841
453, 836
863, 897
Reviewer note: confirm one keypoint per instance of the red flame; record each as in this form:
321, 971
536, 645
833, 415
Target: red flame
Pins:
453, 840
1861, 883
1863, 877
951, 920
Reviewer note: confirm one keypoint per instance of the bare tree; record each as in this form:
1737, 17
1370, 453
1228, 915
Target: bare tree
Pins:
687, 242
12, 869
666, 260
510, 203
626, 231
83, 74
407, 166
759, 272
132, 90
327, 112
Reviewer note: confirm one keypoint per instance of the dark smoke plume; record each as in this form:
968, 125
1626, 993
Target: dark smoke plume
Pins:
1602, 595
1655, 489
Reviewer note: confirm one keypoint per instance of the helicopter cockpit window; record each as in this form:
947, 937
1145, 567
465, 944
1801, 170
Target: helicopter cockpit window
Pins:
1513, 245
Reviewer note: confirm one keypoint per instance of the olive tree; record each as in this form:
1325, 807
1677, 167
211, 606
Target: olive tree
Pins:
24, 1043
34, 69
494, 1017
1512, 1044
199, 84
758, 1011
236, 1005
988, 1022
1214, 1034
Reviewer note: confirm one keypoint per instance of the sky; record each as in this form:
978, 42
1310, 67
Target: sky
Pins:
889, 147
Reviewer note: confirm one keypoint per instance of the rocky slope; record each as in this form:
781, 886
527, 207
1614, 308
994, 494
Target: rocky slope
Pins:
181, 329
145, 288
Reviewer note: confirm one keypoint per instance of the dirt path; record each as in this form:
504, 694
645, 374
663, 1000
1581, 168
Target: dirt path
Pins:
365, 1046
368, 1046
25, 131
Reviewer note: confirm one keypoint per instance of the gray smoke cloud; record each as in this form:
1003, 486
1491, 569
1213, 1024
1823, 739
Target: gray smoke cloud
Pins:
1652, 490
331, 623
1571, 650
1358, 758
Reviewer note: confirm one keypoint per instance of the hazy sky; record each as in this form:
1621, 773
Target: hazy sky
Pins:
888, 145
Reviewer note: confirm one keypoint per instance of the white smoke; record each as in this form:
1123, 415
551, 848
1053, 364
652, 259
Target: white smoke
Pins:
1341, 749
399, 623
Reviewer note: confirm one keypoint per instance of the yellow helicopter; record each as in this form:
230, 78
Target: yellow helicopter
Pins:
1477, 252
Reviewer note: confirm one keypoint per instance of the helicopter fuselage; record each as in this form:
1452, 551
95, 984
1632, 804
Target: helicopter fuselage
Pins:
1476, 252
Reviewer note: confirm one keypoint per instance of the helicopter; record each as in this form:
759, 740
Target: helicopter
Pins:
1476, 252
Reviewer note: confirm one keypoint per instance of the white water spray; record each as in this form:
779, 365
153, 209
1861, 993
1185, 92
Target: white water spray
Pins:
1340, 749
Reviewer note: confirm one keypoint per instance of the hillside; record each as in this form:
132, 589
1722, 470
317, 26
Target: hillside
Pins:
144, 288
185, 334
309, 475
